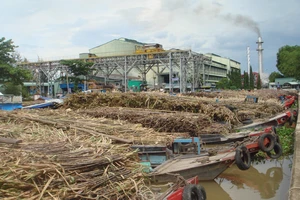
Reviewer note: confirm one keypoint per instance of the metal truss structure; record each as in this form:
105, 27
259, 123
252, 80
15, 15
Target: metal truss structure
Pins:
188, 64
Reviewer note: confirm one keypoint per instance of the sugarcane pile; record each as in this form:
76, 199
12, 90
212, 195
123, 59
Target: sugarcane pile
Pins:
116, 130
57, 161
162, 121
82, 150
195, 115
263, 95
150, 101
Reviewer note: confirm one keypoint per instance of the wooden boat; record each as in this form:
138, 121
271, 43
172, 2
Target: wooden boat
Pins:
205, 167
245, 131
210, 167
231, 138
278, 120
152, 156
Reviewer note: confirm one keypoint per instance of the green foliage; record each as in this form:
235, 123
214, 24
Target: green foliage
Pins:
288, 61
235, 79
286, 139
15, 75
25, 93
258, 85
246, 81
9, 73
274, 75
6, 51
10, 88
78, 67
224, 83
251, 79
239, 80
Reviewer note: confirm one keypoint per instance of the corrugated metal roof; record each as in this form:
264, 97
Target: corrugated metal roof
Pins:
123, 40
294, 83
284, 80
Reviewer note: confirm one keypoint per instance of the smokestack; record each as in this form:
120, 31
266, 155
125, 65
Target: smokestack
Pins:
260, 55
248, 59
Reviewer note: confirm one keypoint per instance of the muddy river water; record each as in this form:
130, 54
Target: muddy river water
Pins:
268, 179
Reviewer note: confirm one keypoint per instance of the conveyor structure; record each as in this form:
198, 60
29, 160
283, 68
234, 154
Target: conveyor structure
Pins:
189, 64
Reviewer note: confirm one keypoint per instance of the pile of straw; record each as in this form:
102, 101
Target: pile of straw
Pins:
54, 162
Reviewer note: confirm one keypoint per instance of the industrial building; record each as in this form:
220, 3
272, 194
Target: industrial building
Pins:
212, 71
123, 60
221, 66
285, 83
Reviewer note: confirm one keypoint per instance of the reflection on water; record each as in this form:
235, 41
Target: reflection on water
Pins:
265, 183
267, 180
214, 191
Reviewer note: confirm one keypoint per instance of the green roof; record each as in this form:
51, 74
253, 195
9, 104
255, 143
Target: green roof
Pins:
285, 80
121, 39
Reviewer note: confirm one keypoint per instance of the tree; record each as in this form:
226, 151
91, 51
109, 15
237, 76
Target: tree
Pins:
239, 79
232, 78
7, 48
258, 85
275, 75
78, 67
288, 61
224, 83
246, 81
9, 73
251, 81
235, 79
10, 88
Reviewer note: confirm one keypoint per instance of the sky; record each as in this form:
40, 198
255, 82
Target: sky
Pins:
62, 29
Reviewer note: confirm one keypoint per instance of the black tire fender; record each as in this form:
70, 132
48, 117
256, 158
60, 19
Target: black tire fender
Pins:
242, 158
192, 192
291, 121
276, 151
269, 146
202, 189
274, 130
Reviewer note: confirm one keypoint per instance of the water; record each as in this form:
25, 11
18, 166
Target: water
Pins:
269, 179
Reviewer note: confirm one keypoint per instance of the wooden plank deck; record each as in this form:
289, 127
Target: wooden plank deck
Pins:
184, 163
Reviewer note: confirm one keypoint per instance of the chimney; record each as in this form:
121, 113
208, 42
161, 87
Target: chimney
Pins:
260, 55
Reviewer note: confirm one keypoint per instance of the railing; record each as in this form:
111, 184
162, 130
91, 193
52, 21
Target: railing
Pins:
8, 98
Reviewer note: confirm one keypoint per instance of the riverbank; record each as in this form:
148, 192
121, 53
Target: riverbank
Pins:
294, 191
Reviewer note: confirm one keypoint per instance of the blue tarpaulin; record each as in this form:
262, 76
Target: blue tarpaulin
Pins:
10, 106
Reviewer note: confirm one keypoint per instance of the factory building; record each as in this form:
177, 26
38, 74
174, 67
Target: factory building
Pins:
116, 47
212, 71
231, 65
122, 63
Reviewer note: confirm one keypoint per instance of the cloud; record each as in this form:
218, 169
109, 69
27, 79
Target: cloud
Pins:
68, 27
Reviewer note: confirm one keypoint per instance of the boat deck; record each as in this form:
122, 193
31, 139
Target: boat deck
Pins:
191, 161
